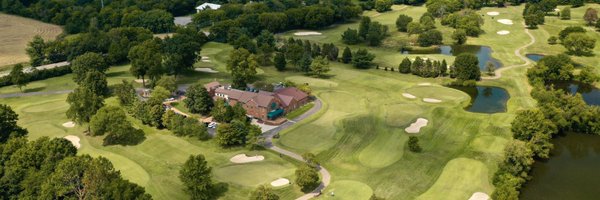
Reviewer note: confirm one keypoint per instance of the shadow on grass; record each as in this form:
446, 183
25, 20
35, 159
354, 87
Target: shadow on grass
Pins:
36, 89
117, 74
219, 190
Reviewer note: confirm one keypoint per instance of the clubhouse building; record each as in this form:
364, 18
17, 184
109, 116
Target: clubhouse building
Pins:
262, 105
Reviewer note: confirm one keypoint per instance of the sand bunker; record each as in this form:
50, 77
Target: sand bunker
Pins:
506, 21
139, 81
205, 60
407, 95
424, 84
503, 32
416, 127
242, 158
493, 13
306, 33
204, 69
557, 10
69, 124
280, 182
479, 196
432, 100
74, 140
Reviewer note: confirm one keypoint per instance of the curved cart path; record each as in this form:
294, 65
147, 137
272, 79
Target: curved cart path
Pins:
518, 54
325, 176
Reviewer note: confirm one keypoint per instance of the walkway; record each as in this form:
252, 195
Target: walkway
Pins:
326, 177
518, 54
41, 67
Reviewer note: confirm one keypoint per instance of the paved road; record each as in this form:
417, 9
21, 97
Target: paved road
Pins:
518, 54
269, 144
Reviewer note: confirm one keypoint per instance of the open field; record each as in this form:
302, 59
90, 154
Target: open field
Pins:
16, 33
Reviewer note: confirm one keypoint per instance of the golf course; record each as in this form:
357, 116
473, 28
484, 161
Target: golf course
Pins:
360, 133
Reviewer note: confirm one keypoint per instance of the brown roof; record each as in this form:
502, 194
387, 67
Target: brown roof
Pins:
293, 92
286, 99
261, 99
212, 85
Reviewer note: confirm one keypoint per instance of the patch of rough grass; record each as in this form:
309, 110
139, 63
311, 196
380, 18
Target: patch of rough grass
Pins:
384, 150
489, 144
313, 82
399, 115
348, 189
459, 180
252, 174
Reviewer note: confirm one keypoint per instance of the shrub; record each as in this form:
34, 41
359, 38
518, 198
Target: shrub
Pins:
413, 144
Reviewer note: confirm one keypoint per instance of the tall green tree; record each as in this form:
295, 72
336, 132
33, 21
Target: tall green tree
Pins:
198, 99
363, 26
307, 177
402, 22
280, 61
404, 66
180, 52
95, 81
145, 60
168, 82
565, 13
196, 176
590, 16
8, 124
467, 67
242, 65
376, 33
319, 66
263, 193
362, 59
18, 77
350, 36
35, 50
579, 44
125, 93
459, 36
232, 134
85, 63
347, 55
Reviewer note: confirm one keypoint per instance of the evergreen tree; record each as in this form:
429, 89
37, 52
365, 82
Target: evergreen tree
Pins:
467, 67
319, 66
404, 66
402, 22
363, 27
280, 61
197, 178
350, 36
565, 14
362, 59
443, 68
347, 55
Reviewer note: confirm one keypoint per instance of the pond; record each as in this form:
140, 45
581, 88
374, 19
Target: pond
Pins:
570, 173
590, 94
485, 99
483, 53
534, 56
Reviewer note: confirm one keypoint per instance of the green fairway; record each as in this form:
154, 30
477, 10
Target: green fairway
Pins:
461, 178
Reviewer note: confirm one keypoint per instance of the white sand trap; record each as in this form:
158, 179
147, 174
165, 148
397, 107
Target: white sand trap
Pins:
424, 84
503, 32
307, 33
493, 13
74, 140
280, 182
416, 127
205, 57
205, 60
242, 158
410, 96
204, 69
69, 124
139, 81
479, 196
557, 10
506, 21
432, 100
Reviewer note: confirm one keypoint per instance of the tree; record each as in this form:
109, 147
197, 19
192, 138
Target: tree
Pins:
363, 26
459, 36
198, 100
181, 51
427, 22
413, 144
532, 20
83, 105
263, 193
311, 159
402, 22
404, 66
319, 66
562, 35
85, 63
95, 81
362, 59
350, 36
467, 67
518, 159
196, 177
280, 61
552, 40
579, 44
18, 77
125, 93
383, 5
318, 17
530, 122
8, 124
107, 119
307, 177
490, 68
232, 134
576, 3
35, 50
221, 111
167, 82
145, 60
590, 16
242, 65
430, 37
376, 33
565, 13
347, 55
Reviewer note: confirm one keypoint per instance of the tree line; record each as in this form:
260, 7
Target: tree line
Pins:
77, 16
50, 169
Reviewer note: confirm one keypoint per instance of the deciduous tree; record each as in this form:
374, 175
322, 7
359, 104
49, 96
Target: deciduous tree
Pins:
196, 176
18, 77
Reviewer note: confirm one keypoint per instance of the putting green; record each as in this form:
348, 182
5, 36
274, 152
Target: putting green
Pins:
347, 189
252, 174
400, 115
459, 180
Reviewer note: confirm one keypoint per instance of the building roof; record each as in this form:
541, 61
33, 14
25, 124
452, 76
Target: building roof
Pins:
293, 92
286, 99
261, 99
208, 5
212, 85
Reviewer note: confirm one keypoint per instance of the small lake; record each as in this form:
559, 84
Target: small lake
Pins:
570, 173
483, 53
486, 99
533, 56
590, 94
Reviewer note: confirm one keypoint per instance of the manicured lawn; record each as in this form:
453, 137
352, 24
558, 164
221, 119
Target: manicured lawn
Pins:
299, 111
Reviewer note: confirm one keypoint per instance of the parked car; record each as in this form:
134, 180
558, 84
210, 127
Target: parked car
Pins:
212, 125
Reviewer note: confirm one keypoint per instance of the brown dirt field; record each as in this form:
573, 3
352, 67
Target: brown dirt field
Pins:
16, 32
